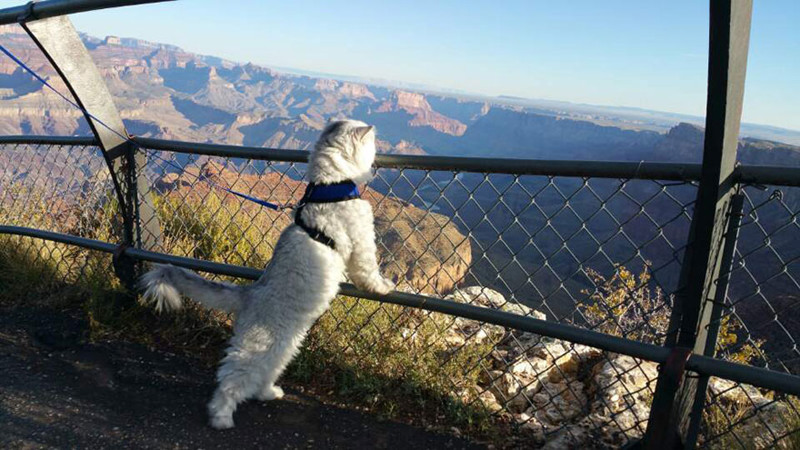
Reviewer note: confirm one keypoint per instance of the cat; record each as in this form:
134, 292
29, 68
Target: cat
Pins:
273, 315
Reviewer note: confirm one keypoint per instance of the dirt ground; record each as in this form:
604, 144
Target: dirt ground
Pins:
57, 390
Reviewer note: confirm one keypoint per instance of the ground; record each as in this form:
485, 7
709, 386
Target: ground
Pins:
60, 390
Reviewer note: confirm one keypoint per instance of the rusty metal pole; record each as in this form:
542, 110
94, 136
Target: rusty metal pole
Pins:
729, 37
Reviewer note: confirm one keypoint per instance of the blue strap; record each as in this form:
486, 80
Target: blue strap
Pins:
88, 114
330, 193
67, 99
254, 199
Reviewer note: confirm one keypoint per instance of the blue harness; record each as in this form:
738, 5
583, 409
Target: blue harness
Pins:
324, 193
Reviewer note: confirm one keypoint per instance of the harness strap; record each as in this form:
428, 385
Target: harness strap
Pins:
324, 193
312, 232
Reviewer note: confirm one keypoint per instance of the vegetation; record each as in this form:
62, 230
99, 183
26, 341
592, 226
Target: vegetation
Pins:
384, 358
627, 305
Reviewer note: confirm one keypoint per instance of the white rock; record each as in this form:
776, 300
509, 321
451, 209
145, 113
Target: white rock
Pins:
623, 388
732, 392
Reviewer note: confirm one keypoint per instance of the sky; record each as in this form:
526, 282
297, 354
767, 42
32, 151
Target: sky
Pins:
633, 53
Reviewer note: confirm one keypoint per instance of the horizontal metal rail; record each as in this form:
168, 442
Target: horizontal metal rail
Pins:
52, 8
599, 169
705, 365
767, 175
764, 175
48, 140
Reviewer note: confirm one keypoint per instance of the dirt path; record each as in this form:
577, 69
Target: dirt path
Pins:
57, 391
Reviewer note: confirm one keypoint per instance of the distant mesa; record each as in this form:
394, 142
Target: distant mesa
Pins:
423, 114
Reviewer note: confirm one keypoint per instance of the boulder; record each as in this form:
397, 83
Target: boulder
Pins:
478, 332
729, 392
622, 388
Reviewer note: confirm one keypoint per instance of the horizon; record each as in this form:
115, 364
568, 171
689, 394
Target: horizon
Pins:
650, 58
410, 86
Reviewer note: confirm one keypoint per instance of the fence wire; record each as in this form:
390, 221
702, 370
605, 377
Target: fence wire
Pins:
597, 253
764, 287
57, 188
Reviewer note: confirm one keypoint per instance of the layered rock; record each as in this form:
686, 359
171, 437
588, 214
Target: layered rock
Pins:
422, 114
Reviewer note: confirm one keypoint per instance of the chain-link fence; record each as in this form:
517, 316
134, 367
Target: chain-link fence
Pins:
57, 188
760, 325
597, 252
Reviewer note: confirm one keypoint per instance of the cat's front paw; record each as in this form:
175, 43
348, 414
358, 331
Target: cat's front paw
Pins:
384, 287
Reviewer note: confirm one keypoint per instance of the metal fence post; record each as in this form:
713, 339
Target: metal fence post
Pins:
732, 236
61, 44
729, 35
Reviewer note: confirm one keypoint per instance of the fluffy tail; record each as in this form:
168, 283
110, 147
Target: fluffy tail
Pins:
164, 284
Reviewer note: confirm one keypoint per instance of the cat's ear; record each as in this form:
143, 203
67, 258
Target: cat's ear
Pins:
362, 132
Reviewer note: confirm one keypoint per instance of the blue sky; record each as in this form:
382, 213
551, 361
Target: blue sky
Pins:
611, 52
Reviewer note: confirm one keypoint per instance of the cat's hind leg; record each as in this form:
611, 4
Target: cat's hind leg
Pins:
273, 364
239, 378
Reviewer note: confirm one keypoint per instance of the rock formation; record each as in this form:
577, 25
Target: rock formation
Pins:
414, 103
565, 395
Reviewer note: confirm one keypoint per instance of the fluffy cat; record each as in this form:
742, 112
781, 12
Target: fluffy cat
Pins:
273, 315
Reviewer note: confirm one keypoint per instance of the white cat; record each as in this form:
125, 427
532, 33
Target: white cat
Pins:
273, 315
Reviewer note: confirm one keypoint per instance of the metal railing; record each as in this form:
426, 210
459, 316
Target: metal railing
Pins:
531, 260
586, 302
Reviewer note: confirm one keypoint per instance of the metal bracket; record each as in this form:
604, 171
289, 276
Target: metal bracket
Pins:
28, 14
124, 267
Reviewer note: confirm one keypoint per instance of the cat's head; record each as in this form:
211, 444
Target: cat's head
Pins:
345, 151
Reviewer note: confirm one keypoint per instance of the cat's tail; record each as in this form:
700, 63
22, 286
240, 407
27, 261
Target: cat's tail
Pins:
164, 285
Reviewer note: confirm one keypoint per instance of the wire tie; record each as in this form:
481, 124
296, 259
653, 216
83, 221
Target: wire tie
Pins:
27, 14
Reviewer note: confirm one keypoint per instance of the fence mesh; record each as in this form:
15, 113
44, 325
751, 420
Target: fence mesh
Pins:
742, 416
764, 293
58, 188
598, 253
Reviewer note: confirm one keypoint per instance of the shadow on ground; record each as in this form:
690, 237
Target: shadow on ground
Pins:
58, 390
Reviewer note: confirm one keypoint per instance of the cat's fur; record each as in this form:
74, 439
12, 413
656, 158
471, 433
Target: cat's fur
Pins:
273, 315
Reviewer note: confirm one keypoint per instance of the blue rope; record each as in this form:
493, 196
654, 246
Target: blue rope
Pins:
263, 203
25, 67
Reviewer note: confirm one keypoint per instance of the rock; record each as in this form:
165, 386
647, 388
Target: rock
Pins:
740, 394
419, 248
530, 368
560, 402
421, 113
490, 401
623, 388
478, 296
212, 169
478, 332
571, 436
355, 90
506, 387
772, 420
531, 425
